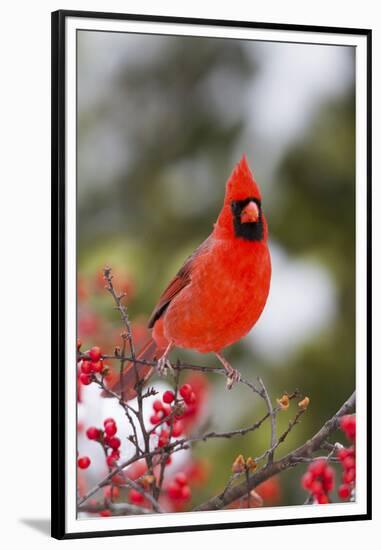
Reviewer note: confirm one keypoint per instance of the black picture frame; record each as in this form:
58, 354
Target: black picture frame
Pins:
58, 320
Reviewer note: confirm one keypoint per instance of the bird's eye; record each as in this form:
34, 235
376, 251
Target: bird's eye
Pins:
236, 207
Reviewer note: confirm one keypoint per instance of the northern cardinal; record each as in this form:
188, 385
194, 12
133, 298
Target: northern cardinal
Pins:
220, 291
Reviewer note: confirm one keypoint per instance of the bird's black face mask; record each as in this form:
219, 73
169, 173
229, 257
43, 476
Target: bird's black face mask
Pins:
247, 219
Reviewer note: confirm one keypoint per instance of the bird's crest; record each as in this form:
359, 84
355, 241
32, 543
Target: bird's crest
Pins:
241, 183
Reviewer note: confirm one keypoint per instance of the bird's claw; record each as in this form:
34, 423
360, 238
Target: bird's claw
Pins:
233, 377
163, 366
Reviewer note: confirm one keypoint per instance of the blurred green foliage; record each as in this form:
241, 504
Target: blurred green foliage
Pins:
179, 117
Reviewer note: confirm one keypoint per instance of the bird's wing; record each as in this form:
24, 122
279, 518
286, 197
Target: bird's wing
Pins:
178, 283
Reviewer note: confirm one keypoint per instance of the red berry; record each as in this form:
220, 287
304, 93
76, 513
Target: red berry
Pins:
174, 490
307, 480
181, 478
342, 454
317, 487
157, 405
110, 429
85, 379
155, 419
351, 452
163, 438
166, 410
185, 492
111, 492
114, 443
98, 366
349, 463
93, 433
185, 390
95, 354
108, 421
84, 462
328, 479
168, 396
190, 399
323, 499
317, 468
177, 429
111, 460
344, 491
105, 513
328, 484
348, 425
86, 367
135, 497
349, 476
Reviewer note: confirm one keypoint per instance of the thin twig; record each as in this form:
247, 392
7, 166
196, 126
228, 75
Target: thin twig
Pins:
273, 421
283, 436
120, 307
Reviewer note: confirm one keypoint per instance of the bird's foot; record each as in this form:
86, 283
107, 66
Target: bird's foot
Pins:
164, 366
233, 375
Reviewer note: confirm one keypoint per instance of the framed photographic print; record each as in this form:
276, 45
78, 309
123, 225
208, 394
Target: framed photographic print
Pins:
211, 274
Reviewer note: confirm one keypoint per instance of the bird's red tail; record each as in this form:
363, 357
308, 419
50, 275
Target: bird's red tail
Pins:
132, 373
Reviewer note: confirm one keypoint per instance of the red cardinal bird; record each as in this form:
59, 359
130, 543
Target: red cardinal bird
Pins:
221, 290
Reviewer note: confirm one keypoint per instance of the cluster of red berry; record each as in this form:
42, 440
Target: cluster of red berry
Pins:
178, 489
347, 457
170, 411
92, 366
319, 480
107, 437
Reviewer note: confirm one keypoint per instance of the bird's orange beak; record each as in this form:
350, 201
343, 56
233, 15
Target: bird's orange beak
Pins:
250, 213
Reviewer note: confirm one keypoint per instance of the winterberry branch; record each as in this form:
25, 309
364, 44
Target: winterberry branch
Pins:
289, 461
149, 493
179, 445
